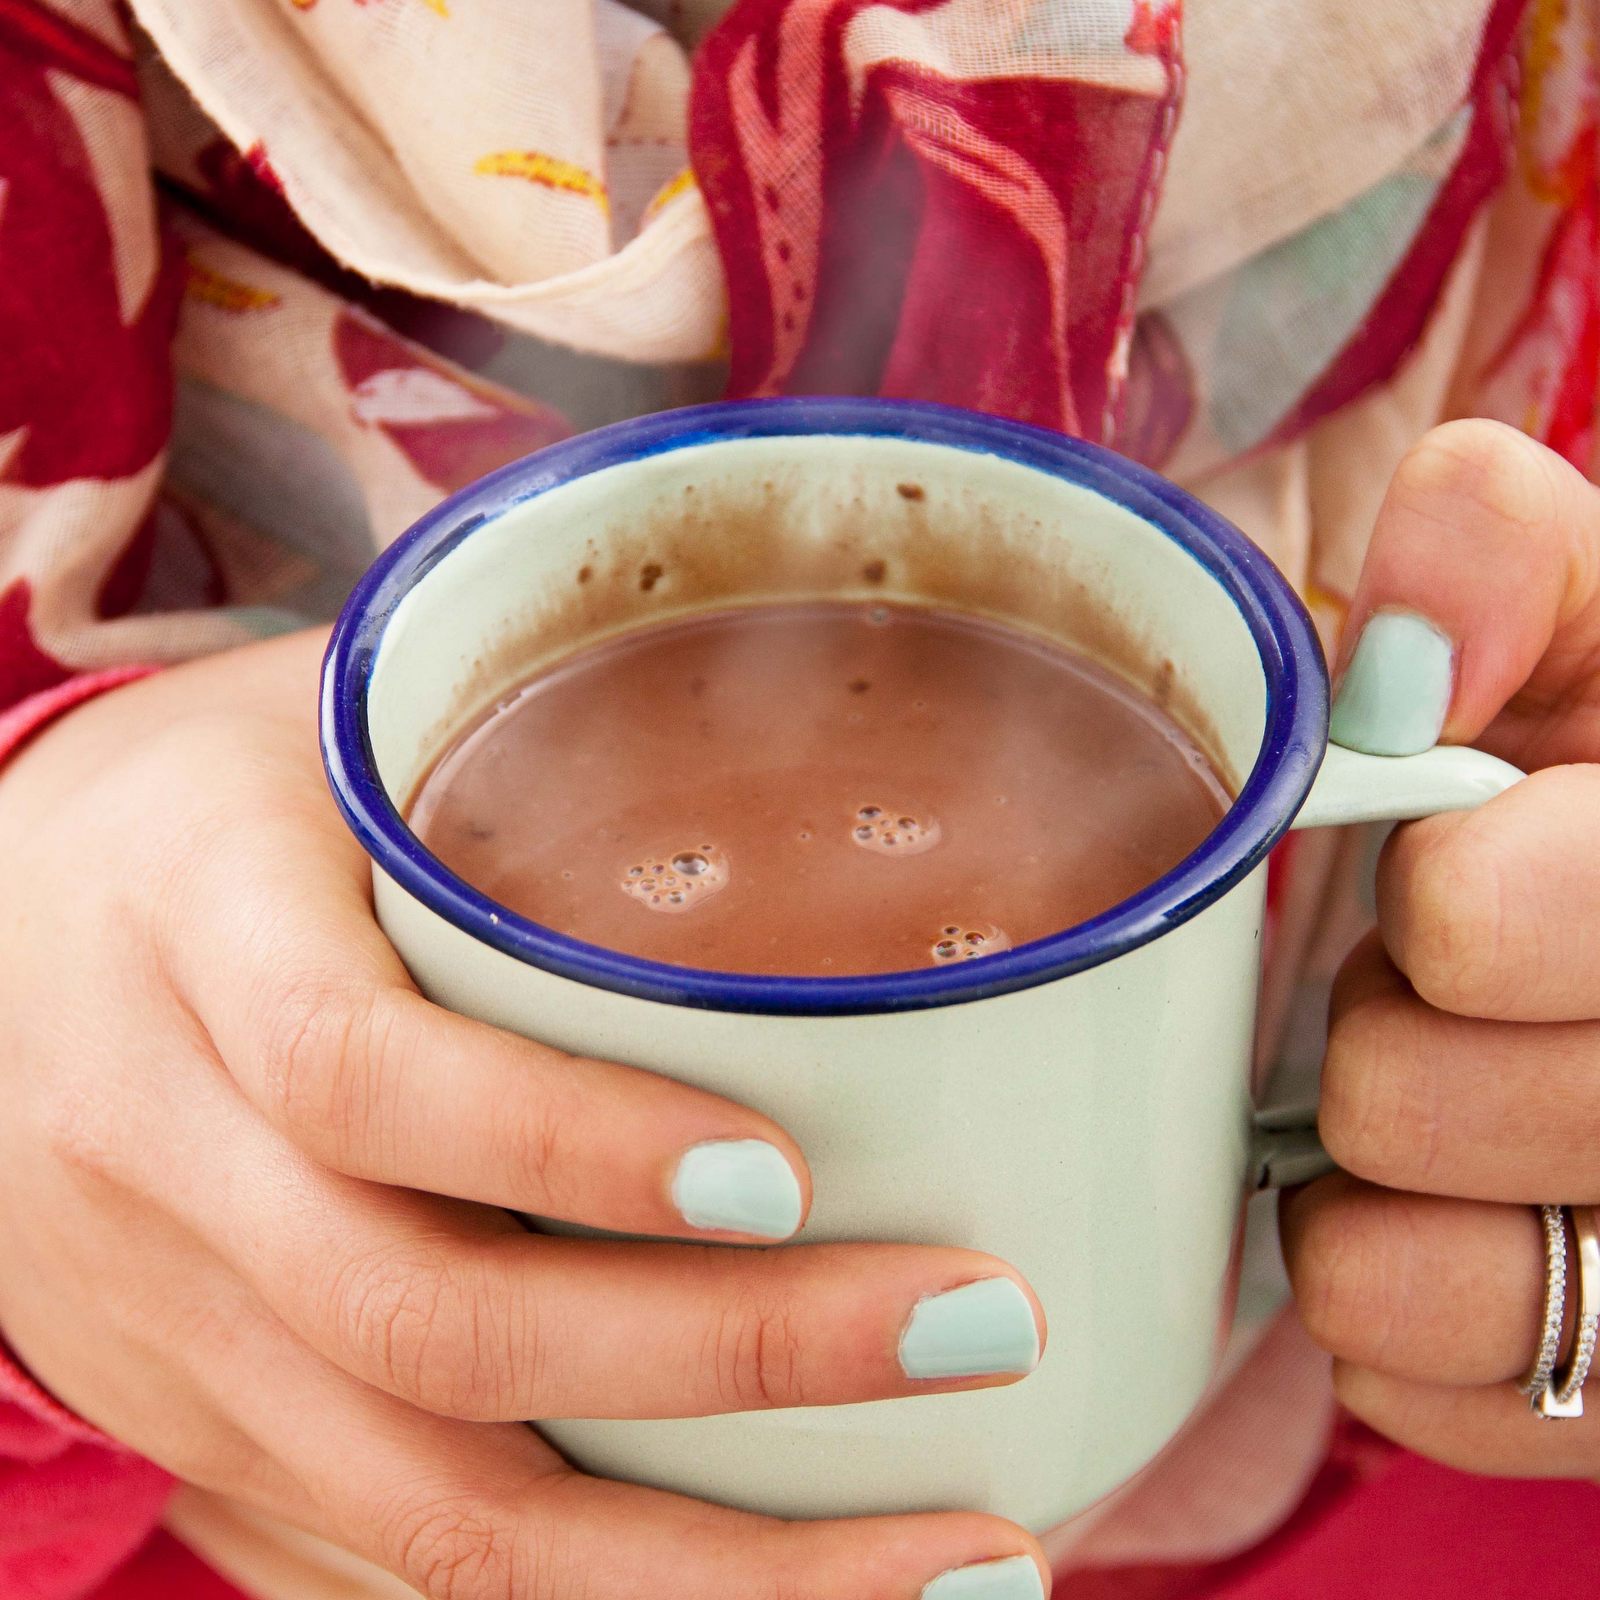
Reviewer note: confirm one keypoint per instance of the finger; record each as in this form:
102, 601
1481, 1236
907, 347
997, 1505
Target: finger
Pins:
1440, 1291
1416, 1098
1490, 913
473, 1511
1490, 1430
318, 1022
458, 1309
1481, 587
473, 1325
198, 1375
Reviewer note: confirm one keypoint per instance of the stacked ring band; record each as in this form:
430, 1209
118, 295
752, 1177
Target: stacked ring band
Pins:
1562, 1395
1537, 1378
1555, 1391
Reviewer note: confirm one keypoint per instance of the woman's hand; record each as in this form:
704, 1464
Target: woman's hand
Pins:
1462, 1079
227, 1119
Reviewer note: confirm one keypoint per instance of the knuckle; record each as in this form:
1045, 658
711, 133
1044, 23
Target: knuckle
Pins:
755, 1356
1364, 1119
1341, 1280
310, 1028
544, 1159
419, 1328
1351, 1389
1412, 1415
81, 1136
457, 1547
208, 1454
188, 829
1452, 941
1474, 465
177, 744
793, 1586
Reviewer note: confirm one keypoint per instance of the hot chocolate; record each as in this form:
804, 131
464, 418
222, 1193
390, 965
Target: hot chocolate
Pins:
818, 789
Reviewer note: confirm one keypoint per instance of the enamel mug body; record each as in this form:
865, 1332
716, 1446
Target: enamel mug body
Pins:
1079, 1106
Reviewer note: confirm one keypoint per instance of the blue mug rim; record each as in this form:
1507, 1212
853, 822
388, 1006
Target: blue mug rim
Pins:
1291, 750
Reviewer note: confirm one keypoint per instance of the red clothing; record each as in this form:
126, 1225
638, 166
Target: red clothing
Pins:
79, 1520
1007, 181
75, 1506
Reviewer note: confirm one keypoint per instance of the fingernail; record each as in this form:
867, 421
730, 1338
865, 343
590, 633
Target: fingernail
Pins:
1015, 1578
738, 1186
1396, 689
978, 1329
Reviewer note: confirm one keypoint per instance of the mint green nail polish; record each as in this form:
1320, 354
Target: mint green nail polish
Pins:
976, 1330
1396, 690
738, 1186
1015, 1578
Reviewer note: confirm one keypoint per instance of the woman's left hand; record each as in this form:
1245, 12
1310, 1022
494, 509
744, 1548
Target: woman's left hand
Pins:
1461, 1086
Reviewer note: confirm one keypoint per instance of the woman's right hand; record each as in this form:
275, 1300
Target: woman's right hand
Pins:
229, 1119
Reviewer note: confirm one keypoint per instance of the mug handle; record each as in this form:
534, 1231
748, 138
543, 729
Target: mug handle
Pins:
1352, 787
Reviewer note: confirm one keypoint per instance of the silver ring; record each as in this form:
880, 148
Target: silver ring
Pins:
1562, 1394
1536, 1381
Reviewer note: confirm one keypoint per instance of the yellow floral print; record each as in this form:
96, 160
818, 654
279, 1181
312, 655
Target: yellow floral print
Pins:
226, 294
551, 171
679, 183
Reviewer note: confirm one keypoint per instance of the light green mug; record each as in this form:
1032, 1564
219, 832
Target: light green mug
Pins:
1079, 1106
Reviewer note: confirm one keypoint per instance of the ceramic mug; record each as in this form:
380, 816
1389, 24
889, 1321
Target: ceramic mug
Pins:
1079, 1106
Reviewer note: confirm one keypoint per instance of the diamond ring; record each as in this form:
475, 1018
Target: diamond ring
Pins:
1561, 1393
1536, 1381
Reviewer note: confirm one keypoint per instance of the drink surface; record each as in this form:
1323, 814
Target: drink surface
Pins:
818, 789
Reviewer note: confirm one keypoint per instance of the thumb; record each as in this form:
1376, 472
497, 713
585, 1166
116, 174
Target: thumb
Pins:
1479, 604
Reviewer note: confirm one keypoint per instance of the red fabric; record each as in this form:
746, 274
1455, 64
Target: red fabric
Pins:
243, 197
163, 1570
78, 1521
1559, 332
851, 270
976, 241
25, 668
21, 721
92, 393
452, 452
894, 230
74, 1505
1408, 1531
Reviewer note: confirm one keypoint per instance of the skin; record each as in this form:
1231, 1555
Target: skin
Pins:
1462, 1079
251, 1192
251, 1184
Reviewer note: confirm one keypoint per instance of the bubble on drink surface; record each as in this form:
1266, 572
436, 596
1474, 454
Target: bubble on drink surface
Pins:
675, 880
893, 833
968, 942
